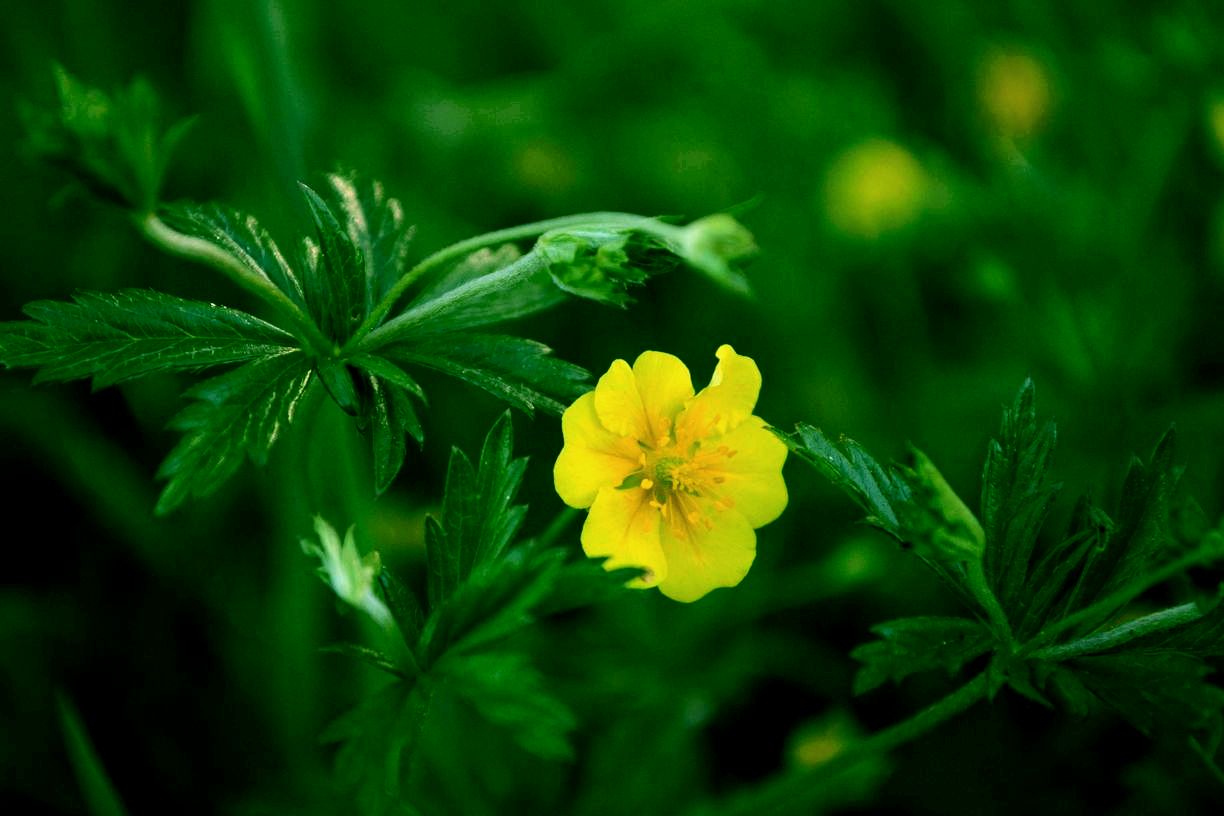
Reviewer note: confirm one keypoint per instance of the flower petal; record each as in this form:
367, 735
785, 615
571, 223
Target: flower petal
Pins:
592, 456
752, 477
726, 402
618, 403
664, 383
625, 527
701, 558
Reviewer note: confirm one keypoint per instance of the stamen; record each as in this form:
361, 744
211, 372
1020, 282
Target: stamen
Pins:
646, 484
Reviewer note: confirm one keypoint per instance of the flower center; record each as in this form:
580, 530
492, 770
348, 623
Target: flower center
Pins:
677, 481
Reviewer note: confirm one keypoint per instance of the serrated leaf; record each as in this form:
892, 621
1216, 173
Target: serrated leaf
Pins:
241, 237
496, 601
521, 372
133, 333
478, 518
880, 491
335, 285
238, 414
404, 606
375, 225
1016, 495
912, 645
509, 692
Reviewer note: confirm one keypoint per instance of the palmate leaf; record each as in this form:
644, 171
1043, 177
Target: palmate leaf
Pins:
509, 692
911, 645
238, 414
375, 225
133, 333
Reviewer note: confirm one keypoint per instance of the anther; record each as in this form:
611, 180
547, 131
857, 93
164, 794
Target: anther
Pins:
647, 484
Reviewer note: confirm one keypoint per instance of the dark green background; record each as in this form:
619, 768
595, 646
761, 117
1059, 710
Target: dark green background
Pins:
1086, 254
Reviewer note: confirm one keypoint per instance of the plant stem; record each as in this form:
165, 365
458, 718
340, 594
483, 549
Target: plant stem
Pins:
788, 793
976, 577
208, 253
461, 250
1101, 641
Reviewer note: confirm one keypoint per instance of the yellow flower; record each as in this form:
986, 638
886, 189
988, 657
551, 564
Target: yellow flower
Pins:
873, 188
676, 482
1014, 91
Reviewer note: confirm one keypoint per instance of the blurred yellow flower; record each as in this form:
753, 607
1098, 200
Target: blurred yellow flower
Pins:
873, 188
1215, 122
1014, 92
676, 482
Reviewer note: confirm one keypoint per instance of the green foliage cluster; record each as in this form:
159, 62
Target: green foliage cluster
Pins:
952, 198
335, 308
1069, 621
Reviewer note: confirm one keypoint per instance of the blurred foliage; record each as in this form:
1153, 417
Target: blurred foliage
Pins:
948, 197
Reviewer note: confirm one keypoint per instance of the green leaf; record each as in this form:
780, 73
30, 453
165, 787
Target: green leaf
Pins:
522, 288
131, 334
1016, 496
405, 608
338, 381
478, 264
335, 279
391, 419
113, 143
375, 225
378, 741
242, 238
521, 372
880, 491
1156, 691
238, 414
509, 692
912, 645
914, 505
496, 601
364, 654
99, 793
479, 519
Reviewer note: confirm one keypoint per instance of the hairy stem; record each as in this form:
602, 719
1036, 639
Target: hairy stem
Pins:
1101, 641
456, 252
205, 252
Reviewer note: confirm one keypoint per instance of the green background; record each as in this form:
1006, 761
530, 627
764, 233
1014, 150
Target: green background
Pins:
1040, 196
